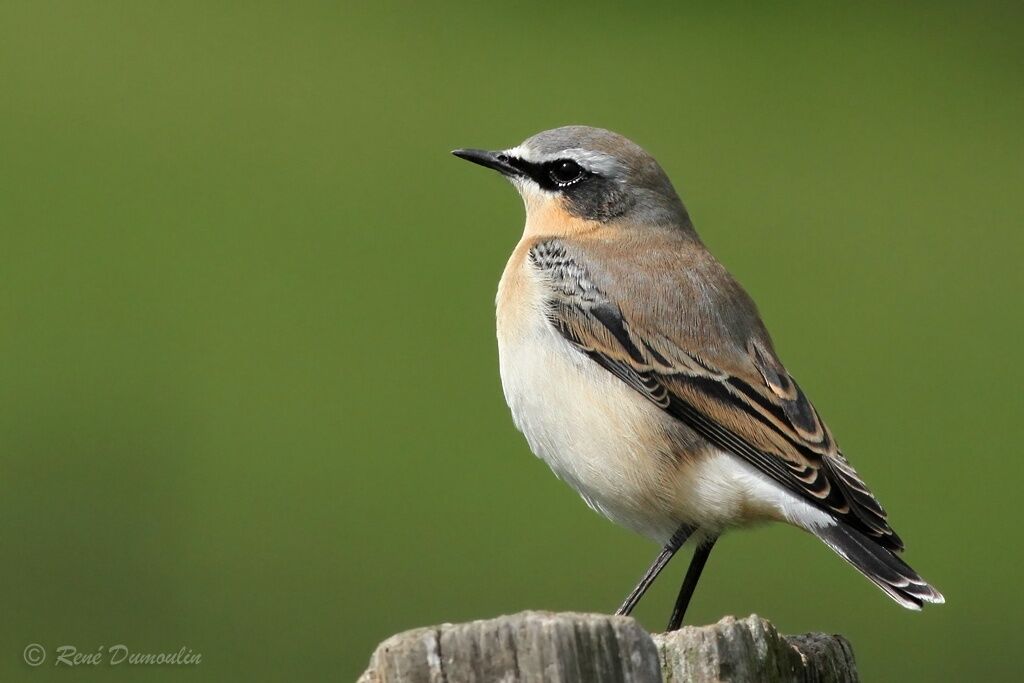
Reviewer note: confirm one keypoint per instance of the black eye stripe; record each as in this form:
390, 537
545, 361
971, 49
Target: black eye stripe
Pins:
545, 173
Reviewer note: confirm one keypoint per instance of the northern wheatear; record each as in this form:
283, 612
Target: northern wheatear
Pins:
641, 372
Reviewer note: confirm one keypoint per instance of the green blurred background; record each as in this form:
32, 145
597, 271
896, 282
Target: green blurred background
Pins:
249, 398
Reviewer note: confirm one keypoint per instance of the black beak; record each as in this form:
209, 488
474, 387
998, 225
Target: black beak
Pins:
499, 161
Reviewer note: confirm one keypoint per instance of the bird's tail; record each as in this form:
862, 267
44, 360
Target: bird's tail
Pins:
883, 567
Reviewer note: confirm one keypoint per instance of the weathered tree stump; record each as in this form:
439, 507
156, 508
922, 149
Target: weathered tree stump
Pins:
752, 650
531, 647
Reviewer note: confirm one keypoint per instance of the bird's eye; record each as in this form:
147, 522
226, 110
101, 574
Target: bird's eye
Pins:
565, 172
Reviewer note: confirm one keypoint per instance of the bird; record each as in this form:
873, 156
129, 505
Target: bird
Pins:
641, 372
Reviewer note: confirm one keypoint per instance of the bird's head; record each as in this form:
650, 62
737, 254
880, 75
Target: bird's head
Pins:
586, 174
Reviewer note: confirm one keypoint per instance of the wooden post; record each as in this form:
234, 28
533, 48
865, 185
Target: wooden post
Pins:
535, 647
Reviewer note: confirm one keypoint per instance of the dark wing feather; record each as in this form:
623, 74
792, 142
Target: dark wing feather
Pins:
754, 409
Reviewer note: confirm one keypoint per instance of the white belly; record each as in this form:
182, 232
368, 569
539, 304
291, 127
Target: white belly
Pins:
626, 457
594, 432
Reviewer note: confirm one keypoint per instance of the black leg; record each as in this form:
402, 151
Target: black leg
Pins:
700, 558
652, 572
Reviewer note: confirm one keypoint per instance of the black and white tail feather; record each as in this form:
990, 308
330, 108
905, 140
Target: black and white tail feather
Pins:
881, 566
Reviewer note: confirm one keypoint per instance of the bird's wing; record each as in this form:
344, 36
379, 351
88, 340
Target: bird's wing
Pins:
719, 376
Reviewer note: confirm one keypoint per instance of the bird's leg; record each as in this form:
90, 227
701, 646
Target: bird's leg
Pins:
652, 572
700, 558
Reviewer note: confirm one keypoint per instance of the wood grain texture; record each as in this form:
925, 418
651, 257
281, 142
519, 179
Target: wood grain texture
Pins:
752, 649
531, 647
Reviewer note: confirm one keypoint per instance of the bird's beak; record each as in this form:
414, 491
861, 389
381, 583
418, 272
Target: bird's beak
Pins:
499, 161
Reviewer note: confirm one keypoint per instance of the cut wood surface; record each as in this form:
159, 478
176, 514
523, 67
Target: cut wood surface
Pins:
563, 647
